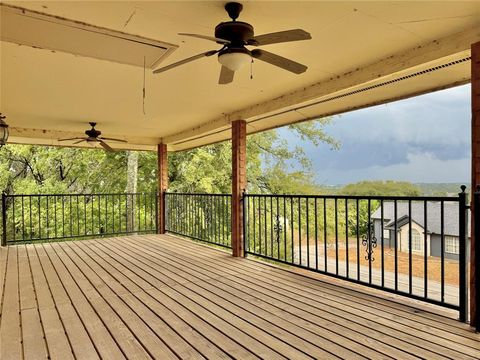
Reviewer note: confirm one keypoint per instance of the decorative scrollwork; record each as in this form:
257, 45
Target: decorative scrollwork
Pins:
370, 244
277, 227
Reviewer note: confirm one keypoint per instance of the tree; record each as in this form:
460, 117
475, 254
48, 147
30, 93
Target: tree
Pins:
273, 166
374, 188
379, 188
131, 188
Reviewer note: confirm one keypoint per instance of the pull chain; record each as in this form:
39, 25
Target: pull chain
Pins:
251, 70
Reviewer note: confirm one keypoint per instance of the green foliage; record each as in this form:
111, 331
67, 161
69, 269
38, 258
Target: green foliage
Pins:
29, 169
272, 164
273, 167
381, 188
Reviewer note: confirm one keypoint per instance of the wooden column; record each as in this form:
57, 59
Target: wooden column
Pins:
239, 183
475, 63
162, 175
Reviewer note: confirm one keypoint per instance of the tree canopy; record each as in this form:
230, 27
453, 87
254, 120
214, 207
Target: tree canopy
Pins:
374, 188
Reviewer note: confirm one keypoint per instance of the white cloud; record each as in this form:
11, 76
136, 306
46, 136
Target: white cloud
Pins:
421, 139
438, 118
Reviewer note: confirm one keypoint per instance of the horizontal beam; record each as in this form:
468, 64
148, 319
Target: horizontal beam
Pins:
410, 58
50, 138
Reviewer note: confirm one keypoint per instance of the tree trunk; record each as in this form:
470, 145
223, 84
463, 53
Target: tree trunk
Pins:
132, 175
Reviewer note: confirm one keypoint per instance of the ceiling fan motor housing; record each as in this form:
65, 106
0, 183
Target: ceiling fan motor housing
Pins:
92, 133
237, 32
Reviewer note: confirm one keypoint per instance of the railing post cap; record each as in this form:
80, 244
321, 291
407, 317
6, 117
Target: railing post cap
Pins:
463, 187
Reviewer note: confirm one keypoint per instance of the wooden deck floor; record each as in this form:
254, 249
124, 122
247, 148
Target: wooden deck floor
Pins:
164, 297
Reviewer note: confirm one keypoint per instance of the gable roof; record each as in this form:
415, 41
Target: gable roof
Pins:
433, 221
404, 220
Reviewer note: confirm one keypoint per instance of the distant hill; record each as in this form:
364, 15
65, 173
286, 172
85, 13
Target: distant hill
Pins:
426, 189
441, 189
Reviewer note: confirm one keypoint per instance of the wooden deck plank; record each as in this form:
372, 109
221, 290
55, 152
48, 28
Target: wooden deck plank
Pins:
286, 321
195, 339
227, 309
104, 343
34, 345
107, 308
329, 319
55, 334
10, 329
161, 296
432, 339
3, 273
158, 339
225, 298
77, 335
244, 333
165, 304
360, 296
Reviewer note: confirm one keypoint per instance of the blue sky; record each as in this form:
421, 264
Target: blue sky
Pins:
422, 139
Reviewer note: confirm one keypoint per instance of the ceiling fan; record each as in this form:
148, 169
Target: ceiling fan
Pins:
235, 36
93, 136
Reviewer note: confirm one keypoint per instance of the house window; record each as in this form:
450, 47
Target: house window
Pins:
416, 240
386, 234
452, 245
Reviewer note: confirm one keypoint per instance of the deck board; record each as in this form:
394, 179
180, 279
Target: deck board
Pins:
338, 316
10, 326
432, 339
160, 296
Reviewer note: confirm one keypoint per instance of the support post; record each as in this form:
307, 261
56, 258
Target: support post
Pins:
162, 175
475, 243
239, 183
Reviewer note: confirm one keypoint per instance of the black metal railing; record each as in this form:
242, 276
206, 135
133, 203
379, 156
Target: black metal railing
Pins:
413, 246
204, 217
30, 218
475, 321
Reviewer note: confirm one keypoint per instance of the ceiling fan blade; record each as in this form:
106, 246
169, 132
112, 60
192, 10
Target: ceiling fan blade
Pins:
112, 139
184, 61
226, 75
75, 138
206, 37
78, 142
105, 145
279, 61
280, 37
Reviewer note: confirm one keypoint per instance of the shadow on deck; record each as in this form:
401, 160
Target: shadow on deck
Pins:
160, 296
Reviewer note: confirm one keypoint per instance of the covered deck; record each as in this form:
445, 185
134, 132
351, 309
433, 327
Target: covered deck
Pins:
161, 296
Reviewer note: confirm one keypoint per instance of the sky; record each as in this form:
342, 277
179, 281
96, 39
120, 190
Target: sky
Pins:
425, 139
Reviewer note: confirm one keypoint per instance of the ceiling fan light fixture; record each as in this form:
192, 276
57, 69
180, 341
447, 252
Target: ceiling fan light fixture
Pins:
234, 60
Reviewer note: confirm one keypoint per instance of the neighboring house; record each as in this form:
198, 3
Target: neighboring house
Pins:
432, 228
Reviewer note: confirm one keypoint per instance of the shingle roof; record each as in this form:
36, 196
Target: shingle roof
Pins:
450, 215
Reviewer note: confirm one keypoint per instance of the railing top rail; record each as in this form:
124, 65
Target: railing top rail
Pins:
360, 197
194, 194
79, 194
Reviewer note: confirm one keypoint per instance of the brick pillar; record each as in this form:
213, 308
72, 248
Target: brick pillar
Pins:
162, 175
239, 183
475, 63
